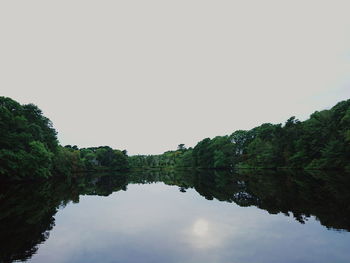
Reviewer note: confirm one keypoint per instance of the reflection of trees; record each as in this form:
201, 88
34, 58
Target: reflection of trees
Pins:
26, 218
27, 210
324, 195
19, 238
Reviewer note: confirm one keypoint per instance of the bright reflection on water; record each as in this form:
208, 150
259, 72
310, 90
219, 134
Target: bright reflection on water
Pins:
177, 217
200, 228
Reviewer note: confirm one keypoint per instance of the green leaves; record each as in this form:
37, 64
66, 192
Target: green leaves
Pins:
321, 142
27, 141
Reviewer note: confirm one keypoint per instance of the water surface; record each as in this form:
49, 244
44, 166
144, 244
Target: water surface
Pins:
178, 217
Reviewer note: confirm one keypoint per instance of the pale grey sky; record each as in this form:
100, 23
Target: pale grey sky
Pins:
148, 75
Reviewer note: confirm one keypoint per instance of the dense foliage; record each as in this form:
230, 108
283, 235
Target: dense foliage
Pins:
27, 142
29, 148
180, 157
321, 142
72, 159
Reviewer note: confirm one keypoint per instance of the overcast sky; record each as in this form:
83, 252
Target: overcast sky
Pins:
148, 75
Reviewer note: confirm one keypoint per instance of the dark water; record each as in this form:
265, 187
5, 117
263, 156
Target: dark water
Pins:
178, 217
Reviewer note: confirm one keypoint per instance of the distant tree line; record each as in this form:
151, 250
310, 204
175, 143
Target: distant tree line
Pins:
321, 142
71, 159
29, 148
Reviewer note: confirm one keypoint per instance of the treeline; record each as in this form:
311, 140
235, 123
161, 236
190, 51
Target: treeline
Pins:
167, 159
70, 159
29, 148
321, 142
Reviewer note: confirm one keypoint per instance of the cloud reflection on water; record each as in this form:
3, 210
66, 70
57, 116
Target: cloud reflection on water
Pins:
157, 223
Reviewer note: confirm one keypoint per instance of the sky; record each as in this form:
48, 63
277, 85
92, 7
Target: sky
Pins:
146, 76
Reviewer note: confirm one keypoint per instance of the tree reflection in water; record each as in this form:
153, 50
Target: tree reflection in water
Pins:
28, 210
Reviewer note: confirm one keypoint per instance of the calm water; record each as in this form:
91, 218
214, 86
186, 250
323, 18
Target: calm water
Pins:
178, 217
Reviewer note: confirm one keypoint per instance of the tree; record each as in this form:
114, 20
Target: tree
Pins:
181, 147
27, 142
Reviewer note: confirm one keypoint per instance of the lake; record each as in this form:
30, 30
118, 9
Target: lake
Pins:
178, 216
